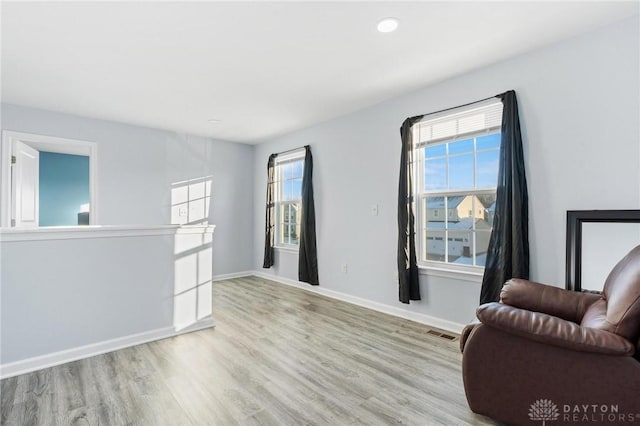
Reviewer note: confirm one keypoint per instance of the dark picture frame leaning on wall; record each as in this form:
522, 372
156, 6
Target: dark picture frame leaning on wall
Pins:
575, 219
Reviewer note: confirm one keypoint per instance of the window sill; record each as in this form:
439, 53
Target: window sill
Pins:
460, 275
287, 249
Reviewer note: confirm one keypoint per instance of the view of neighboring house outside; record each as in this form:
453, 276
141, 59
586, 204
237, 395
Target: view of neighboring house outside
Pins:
457, 217
458, 207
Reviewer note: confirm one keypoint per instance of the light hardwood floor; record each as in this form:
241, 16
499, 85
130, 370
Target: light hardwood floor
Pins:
278, 356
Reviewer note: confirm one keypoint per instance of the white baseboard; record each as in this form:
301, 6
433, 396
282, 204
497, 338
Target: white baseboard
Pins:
56, 358
223, 277
376, 306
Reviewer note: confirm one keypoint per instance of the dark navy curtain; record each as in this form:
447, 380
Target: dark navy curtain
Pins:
270, 214
407, 264
308, 254
508, 251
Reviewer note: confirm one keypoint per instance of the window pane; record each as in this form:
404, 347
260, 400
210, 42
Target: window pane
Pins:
482, 243
464, 209
459, 247
461, 172
283, 223
296, 189
435, 151
296, 169
288, 223
435, 174
452, 240
295, 223
286, 190
281, 213
488, 168
284, 232
488, 142
435, 245
286, 171
488, 204
292, 213
435, 212
461, 146
458, 208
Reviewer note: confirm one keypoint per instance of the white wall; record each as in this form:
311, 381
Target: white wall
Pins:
74, 293
62, 294
137, 166
579, 110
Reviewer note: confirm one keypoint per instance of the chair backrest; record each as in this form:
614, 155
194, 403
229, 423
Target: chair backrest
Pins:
619, 309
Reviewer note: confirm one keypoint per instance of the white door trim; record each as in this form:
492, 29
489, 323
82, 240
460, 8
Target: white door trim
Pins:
50, 144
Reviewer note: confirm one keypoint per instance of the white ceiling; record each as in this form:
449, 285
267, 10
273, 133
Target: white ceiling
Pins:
262, 68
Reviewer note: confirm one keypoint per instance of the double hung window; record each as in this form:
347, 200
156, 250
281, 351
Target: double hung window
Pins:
456, 173
288, 199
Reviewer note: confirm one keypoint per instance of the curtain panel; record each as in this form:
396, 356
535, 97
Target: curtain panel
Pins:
308, 254
270, 214
408, 277
508, 251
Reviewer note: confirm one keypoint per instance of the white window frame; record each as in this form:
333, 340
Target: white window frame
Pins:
49, 144
445, 269
290, 157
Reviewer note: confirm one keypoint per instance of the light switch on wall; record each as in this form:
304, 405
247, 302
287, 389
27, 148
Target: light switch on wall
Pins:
374, 210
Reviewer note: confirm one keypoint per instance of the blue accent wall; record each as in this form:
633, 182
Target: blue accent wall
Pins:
64, 186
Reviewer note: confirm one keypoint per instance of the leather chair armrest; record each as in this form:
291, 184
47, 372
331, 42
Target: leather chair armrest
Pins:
552, 330
555, 301
466, 332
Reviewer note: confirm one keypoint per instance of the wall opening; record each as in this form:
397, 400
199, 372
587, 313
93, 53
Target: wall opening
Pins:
47, 181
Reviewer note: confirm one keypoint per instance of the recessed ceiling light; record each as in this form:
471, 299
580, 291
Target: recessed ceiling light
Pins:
213, 121
388, 25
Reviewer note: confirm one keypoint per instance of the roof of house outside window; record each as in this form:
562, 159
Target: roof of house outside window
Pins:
464, 224
438, 202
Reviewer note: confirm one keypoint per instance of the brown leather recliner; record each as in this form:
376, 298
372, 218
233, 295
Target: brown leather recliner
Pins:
565, 357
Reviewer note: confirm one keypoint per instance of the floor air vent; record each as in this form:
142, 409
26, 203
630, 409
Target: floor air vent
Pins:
442, 335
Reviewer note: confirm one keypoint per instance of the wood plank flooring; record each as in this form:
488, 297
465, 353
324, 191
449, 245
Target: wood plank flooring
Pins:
278, 356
